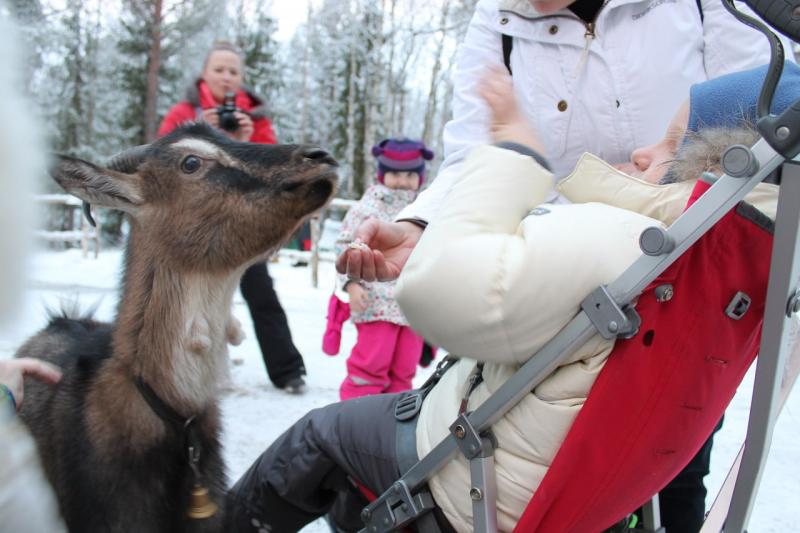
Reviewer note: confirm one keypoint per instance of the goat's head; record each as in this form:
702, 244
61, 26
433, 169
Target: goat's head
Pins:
205, 201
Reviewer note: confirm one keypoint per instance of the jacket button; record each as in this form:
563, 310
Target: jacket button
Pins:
562, 105
553, 29
504, 21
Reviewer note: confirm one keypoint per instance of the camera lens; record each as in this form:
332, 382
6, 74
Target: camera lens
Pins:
228, 121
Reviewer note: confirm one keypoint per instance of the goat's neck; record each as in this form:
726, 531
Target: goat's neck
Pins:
170, 328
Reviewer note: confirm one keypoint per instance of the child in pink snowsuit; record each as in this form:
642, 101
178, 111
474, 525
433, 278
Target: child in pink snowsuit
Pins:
387, 351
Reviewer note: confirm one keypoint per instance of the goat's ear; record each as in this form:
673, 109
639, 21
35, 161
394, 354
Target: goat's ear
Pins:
96, 185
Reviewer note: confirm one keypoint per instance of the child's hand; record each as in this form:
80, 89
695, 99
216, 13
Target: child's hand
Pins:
358, 297
13, 372
497, 90
506, 122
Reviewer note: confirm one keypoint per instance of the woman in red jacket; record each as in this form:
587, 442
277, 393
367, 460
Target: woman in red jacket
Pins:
223, 74
220, 98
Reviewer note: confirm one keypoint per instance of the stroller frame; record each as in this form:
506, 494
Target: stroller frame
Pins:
608, 311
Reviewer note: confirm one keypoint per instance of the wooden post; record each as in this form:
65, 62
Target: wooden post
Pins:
85, 237
316, 231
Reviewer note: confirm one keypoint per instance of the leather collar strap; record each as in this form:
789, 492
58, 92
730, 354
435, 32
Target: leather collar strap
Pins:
184, 426
159, 407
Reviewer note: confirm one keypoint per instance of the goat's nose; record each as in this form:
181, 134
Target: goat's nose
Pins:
316, 154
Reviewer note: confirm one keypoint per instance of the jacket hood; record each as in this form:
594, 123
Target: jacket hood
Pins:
256, 111
594, 180
702, 151
524, 9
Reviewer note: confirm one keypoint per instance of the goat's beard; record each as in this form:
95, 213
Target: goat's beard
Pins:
702, 151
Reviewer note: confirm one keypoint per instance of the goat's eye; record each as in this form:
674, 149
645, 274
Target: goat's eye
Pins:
191, 164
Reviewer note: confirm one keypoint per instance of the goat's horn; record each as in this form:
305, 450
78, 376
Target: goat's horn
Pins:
129, 160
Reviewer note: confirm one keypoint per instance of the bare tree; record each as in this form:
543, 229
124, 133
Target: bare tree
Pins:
431, 107
153, 66
351, 118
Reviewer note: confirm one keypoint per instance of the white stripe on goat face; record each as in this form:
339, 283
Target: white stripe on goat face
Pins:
206, 150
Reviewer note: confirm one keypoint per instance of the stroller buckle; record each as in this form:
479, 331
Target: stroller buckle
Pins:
408, 407
395, 508
738, 306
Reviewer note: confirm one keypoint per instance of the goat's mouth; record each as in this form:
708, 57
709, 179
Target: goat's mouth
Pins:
319, 185
321, 189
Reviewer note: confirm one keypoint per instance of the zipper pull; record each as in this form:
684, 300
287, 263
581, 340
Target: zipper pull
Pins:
589, 37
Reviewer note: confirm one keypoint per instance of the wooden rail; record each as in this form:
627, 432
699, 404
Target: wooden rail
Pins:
83, 235
337, 204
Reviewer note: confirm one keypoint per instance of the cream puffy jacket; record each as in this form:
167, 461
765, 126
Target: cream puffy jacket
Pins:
488, 287
607, 94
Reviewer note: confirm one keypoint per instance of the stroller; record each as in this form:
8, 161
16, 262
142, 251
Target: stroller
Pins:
672, 393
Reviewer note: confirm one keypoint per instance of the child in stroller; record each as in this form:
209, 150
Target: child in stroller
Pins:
513, 272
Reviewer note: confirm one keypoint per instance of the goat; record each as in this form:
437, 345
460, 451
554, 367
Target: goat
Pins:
119, 436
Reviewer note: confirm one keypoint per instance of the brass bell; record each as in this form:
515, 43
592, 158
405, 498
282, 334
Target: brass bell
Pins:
201, 505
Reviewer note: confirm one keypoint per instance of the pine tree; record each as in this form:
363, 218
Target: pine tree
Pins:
254, 35
154, 33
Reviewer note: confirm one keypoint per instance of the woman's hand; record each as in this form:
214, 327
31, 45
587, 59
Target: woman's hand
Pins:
388, 247
358, 297
245, 130
242, 133
211, 116
13, 371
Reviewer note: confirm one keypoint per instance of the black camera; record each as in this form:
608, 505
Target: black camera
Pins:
225, 112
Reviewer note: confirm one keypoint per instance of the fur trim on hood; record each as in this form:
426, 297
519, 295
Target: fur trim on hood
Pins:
702, 151
259, 110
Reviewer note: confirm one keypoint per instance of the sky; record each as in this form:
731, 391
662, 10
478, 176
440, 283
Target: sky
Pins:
289, 14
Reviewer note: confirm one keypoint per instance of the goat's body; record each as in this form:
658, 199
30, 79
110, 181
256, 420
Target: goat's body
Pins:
203, 208
127, 490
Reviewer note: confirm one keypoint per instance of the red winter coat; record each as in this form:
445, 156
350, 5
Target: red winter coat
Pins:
199, 97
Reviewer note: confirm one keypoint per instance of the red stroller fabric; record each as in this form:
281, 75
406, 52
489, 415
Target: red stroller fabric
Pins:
661, 393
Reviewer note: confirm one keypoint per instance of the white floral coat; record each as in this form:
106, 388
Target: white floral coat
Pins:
383, 203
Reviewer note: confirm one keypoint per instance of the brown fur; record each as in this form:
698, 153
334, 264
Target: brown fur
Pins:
702, 151
192, 236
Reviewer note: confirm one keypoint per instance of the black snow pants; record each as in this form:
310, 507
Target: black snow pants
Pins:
683, 501
310, 470
281, 357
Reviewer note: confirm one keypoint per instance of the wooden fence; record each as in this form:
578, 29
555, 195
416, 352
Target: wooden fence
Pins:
85, 234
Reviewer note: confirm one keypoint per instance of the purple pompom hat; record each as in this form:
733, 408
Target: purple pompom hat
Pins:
401, 155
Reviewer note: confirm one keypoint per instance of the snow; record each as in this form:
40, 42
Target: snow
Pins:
255, 413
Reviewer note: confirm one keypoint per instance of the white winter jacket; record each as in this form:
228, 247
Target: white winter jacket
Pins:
492, 281
606, 93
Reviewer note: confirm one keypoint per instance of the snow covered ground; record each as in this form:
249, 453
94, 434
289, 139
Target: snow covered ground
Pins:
255, 413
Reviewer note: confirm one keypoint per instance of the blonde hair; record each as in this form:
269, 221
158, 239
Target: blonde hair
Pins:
223, 46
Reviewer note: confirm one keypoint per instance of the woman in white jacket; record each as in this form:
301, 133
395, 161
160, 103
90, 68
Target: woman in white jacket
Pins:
596, 76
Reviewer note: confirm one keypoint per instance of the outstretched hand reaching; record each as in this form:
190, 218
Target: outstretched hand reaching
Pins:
387, 246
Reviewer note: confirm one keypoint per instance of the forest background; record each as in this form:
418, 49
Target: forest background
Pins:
102, 74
